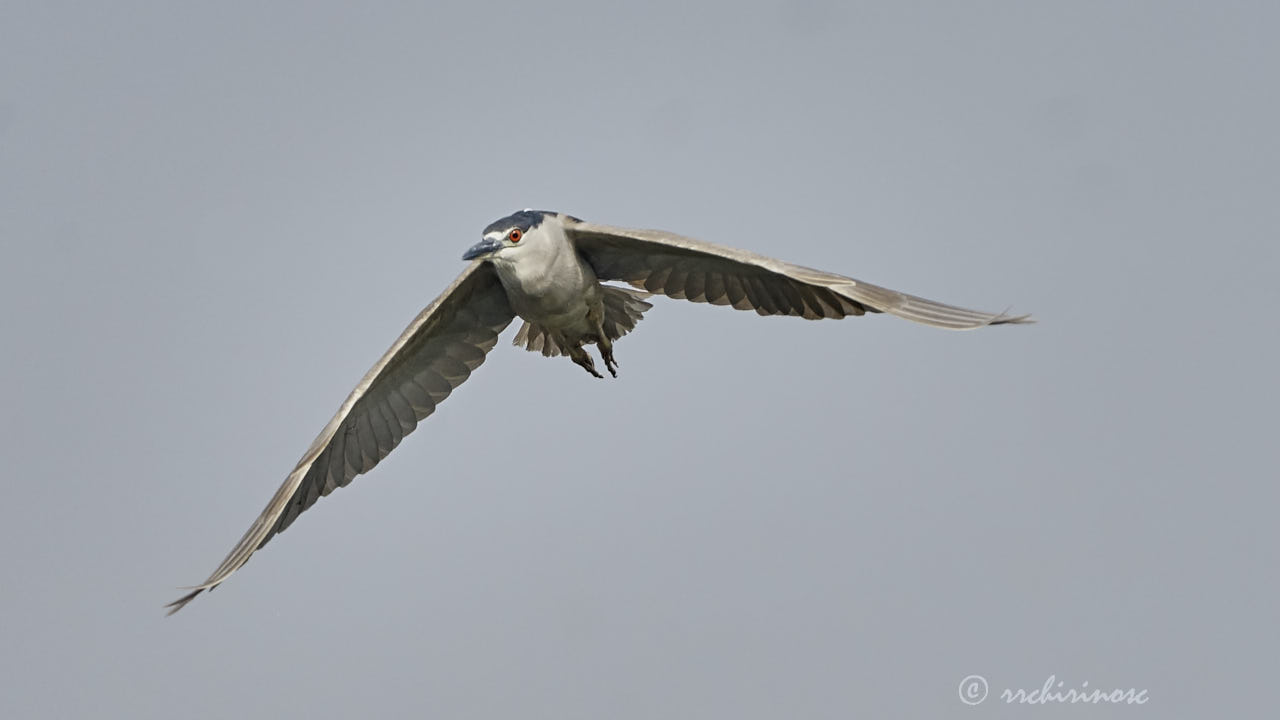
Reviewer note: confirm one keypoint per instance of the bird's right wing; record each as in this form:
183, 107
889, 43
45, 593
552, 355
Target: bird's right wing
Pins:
688, 269
434, 355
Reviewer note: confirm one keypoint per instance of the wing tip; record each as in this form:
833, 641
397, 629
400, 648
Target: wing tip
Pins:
1004, 318
948, 317
181, 602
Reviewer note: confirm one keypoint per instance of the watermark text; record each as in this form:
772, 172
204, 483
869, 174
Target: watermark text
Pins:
974, 690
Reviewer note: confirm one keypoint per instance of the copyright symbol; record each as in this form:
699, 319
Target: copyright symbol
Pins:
973, 690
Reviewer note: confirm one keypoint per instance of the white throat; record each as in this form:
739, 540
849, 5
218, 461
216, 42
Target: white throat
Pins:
544, 276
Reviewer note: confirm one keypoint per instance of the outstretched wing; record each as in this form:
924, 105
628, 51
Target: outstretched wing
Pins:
434, 355
689, 269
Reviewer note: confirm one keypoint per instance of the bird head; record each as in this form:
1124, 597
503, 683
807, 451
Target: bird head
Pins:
512, 234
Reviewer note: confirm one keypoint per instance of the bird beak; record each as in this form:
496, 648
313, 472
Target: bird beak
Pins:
484, 247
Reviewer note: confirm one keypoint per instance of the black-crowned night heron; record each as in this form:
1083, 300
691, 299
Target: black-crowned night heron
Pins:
547, 268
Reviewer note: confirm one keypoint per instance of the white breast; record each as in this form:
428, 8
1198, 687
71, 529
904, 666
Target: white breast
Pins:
547, 281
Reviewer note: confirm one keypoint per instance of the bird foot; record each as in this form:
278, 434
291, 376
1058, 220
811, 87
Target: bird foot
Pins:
609, 362
584, 361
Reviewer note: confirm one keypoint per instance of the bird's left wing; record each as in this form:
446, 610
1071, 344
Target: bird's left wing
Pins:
434, 355
688, 269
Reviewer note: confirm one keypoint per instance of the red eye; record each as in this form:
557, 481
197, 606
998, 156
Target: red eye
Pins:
515, 235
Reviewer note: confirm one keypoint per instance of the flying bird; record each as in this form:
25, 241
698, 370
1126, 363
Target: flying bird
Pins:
547, 268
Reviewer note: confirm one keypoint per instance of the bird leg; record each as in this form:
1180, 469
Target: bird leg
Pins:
606, 353
603, 343
579, 355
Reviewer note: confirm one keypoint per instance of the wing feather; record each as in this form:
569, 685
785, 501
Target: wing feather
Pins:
435, 354
684, 268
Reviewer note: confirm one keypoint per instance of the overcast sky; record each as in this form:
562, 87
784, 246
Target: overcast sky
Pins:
215, 218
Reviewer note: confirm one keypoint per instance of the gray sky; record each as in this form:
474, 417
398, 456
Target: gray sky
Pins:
214, 219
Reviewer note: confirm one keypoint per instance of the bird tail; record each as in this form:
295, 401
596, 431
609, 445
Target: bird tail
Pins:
623, 308
536, 338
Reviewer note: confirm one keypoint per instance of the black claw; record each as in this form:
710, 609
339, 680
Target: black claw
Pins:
609, 362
